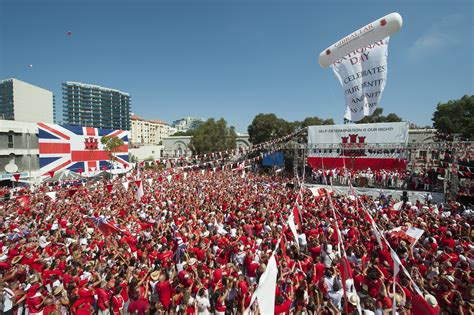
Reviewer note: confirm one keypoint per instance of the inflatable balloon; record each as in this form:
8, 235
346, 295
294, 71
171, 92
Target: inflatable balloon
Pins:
69, 33
367, 35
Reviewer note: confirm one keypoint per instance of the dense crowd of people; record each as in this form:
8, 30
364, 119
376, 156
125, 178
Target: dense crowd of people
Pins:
198, 243
422, 180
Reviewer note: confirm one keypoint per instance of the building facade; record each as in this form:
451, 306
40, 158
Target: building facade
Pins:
95, 106
178, 146
187, 123
19, 146
148, 132
22, 101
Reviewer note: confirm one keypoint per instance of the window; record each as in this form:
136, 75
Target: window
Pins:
10, 140
422, 154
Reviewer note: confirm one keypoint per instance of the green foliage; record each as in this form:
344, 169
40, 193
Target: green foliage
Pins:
213, 136
184, 133
456, 117
265, 127
377, 117
111, 144
313, 121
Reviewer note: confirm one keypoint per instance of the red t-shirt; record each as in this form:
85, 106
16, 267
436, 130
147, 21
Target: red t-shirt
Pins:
138, 307
164, 291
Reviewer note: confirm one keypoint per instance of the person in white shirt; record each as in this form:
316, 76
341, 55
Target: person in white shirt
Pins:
203, 305
6, 298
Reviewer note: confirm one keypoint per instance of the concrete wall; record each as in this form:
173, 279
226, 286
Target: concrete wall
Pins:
146, 152
32, 103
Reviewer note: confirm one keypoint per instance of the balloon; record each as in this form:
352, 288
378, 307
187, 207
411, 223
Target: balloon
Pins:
367, 35
30, 66
69, 33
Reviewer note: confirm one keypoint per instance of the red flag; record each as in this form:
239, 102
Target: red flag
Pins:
283, 250
296, 214
138, 183
346, 273
104, 226
17, 176
160, 179
72, 192
421, 307
51, 173
109, 187
24, 201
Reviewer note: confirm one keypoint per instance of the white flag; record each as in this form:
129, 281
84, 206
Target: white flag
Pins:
169, 177
125, 185
150, 181
265, 293
291, 223
185, 175
139, 190
398, 206
52, 195
363, 74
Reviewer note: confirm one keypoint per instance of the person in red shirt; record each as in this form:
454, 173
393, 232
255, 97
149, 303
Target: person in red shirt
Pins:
164, 288
103, 298
138, 305
117, 302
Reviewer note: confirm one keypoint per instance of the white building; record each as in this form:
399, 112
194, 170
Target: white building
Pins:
187, 123
149, 132
19, 147
22, 101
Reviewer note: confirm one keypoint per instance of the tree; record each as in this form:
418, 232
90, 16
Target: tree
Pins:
112, 145
377, 117
313, 121
456, 117
265, 127
213, 136
184, 133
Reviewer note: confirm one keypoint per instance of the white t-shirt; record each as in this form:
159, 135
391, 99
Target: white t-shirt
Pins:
7, 299
202, 305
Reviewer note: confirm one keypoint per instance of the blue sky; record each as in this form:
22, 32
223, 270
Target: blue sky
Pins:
235, 59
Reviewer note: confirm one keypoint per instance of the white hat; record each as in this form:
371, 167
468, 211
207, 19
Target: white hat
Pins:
353, 299
431, 300
450, 278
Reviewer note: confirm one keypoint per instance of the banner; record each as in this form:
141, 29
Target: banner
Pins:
78, 149
357, 136
363, 74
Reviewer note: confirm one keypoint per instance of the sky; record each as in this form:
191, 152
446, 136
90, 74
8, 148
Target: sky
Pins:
235, 59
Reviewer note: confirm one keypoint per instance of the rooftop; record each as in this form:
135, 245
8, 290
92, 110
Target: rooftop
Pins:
153, 121
91, 86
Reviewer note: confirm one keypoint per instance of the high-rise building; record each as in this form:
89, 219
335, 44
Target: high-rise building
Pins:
187, 123
95, 106
22, 101
144, 132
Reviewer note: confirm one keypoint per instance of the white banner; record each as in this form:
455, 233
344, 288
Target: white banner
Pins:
363, 74
357, 136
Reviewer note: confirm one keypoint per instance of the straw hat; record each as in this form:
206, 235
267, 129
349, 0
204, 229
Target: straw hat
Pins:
57, 290
154, 275
353, 299
431, 300
16, 259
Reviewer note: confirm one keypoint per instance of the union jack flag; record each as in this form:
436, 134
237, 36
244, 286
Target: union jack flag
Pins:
78, 148
104, 226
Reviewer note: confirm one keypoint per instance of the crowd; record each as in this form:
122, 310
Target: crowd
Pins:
198, 243
395, 179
